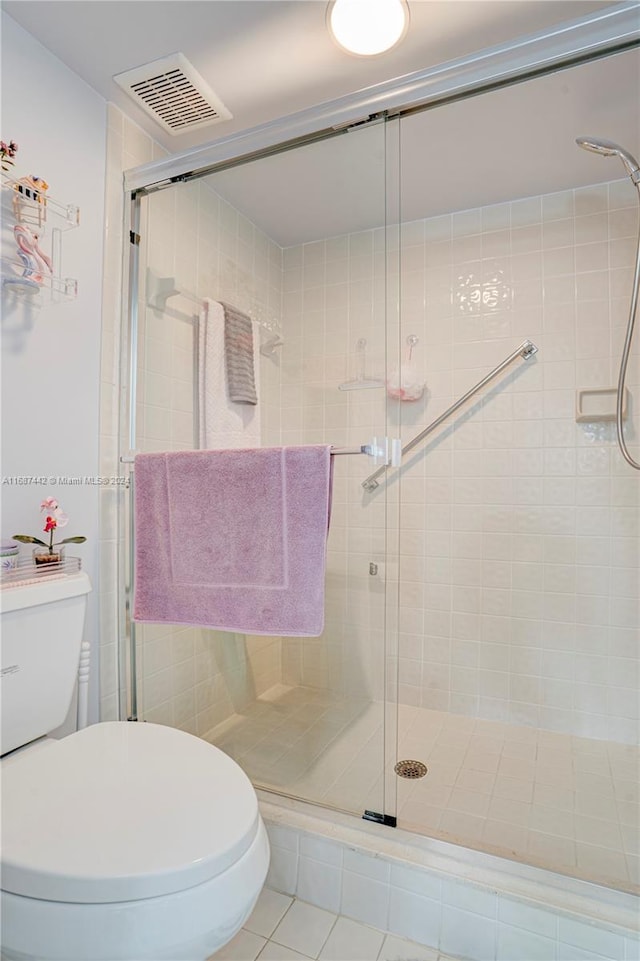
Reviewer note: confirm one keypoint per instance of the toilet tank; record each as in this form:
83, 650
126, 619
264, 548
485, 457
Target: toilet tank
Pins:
41, 634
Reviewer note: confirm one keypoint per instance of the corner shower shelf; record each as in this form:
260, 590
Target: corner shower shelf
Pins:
360, 381
36, 211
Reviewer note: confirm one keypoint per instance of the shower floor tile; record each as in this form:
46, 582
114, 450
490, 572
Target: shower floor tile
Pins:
545, 798
553, 800
309, 744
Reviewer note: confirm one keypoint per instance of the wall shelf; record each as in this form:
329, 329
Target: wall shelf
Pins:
597, 405
15, 278
36, 208
161, 289
31, 264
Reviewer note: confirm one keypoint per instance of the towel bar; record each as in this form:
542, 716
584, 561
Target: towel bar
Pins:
363, 449
161, 289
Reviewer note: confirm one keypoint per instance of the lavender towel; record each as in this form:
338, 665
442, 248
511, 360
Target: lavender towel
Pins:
233, 539
238, 353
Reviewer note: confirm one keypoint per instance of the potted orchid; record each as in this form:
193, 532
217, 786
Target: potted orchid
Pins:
54, 518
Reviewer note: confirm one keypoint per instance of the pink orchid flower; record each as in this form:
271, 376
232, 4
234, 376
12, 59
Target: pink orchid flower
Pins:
50, 505
55, 517
62, 519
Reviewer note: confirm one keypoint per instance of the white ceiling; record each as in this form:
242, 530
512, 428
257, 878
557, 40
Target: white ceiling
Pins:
511, 143
268, 58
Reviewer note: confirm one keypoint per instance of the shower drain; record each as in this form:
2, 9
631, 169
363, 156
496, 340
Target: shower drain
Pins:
410, 769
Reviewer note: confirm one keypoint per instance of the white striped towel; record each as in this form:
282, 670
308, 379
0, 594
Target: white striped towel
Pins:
223, 424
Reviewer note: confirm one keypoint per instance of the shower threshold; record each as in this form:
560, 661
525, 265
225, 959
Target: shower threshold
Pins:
563, 803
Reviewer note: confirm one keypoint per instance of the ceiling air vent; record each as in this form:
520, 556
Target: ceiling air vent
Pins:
172, 92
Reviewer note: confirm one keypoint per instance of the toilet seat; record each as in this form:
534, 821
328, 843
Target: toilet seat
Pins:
121, 812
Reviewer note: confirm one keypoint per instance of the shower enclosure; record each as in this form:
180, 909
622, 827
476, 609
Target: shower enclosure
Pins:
482, 591
303, 716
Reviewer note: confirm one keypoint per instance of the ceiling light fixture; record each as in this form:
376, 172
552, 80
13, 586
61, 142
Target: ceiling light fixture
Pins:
367, 27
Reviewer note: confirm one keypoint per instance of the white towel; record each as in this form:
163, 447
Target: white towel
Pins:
223, 424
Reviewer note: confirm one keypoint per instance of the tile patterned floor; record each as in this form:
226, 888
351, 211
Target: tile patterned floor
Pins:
561, 802
282, 928
557, 801
303, 742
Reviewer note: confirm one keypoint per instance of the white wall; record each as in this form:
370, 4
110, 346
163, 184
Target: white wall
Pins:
51, 356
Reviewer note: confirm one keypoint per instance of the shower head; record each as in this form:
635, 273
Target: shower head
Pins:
609, 149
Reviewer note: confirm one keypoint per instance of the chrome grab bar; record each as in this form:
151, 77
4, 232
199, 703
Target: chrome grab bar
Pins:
527, 349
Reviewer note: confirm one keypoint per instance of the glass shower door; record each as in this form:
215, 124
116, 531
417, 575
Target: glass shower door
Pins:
300, 241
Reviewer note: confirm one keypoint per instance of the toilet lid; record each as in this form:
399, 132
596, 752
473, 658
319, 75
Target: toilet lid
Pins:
122, 811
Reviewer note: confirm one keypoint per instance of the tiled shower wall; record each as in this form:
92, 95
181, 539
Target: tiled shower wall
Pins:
334, 295
519, 543
191, 678
519, 527
194, 678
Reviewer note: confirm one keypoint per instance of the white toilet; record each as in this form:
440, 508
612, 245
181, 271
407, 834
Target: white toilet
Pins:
123, 841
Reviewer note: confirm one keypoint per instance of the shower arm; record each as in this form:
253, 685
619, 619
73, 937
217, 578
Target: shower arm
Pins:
526, 350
